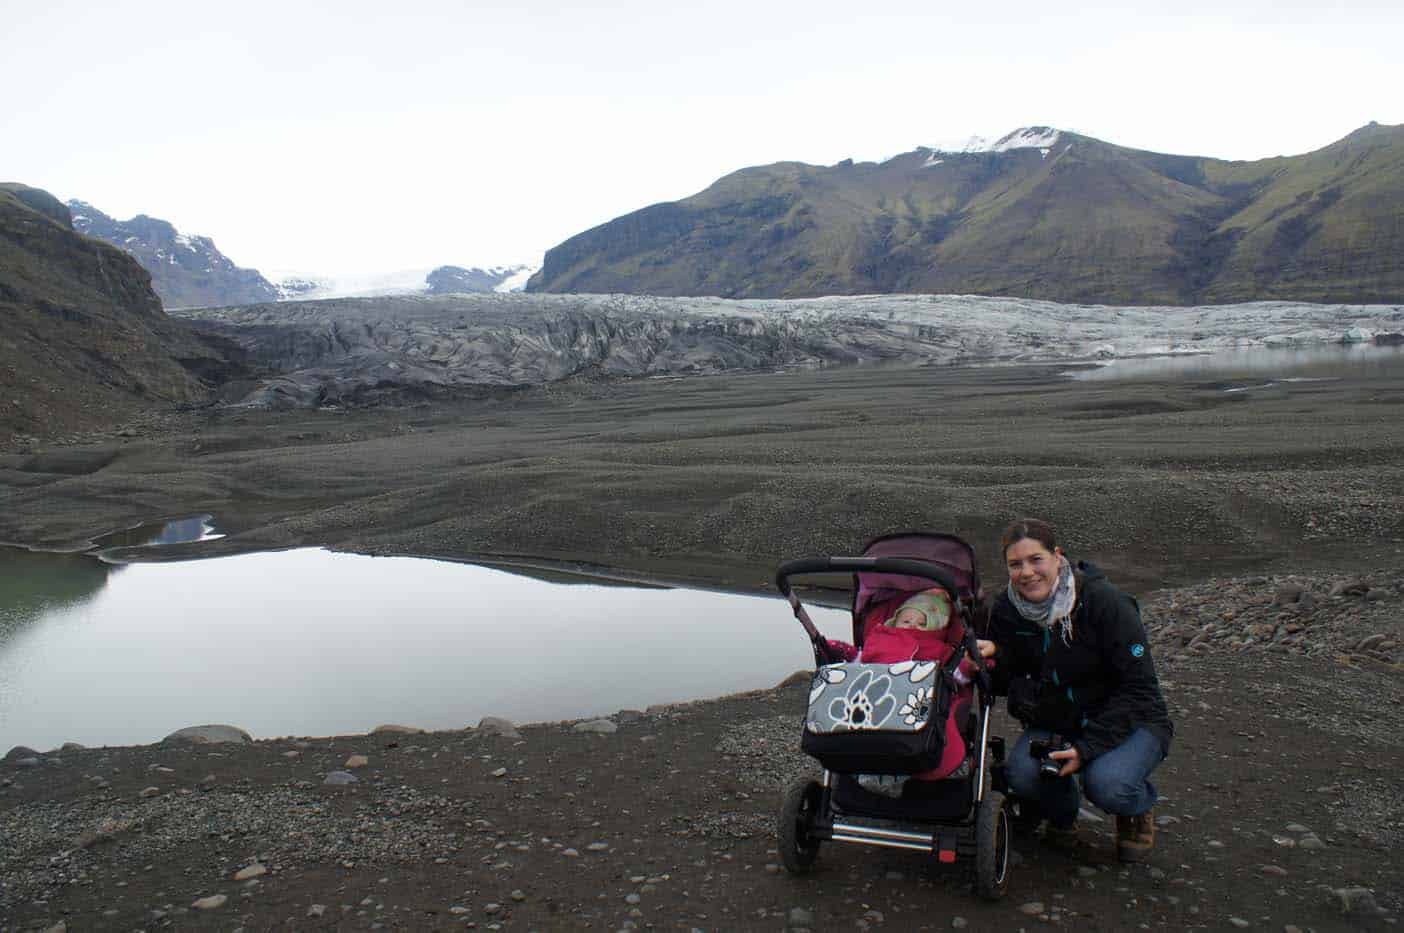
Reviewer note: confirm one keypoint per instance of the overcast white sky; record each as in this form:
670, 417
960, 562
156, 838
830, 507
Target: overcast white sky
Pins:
372, 136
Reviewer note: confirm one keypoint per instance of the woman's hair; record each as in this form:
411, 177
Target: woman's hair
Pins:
1034, 528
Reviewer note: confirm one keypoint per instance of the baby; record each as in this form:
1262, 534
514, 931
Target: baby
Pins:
918, 629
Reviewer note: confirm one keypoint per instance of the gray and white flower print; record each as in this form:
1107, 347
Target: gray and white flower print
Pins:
917, 709
867, 704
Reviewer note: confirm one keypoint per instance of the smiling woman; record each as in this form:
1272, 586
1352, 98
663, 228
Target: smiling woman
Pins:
1072, 656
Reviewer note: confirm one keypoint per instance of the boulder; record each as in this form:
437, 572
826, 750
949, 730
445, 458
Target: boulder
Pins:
601, 726
1356, 902
496, 725
209, 735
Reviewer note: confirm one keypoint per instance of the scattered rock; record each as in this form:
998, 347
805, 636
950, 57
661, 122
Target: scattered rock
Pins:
150, 792
959, 923
210, 734
26, 763
1310, 841
356, 761
1297, 828
213, 902
341, 777
397, 730
316, 910
601, 726
496, 725
1372, 641
800, 917
253, 871
1239, 922
1032, 908
629, 715
500, 773
1356, 902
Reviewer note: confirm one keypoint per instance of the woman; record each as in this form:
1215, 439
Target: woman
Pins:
1072, 656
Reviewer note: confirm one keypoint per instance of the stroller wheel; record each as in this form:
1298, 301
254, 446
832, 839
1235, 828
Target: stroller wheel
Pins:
992, 848
798, 847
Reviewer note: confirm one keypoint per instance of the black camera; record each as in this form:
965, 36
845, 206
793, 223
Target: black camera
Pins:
1039, 749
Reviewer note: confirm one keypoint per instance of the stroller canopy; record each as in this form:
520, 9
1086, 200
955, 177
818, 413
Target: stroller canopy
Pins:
947, 551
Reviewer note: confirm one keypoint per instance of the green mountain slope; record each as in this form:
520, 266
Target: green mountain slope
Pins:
83, 338
1069, 219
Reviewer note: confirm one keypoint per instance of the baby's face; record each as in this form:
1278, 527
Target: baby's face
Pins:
912, 618
927, 612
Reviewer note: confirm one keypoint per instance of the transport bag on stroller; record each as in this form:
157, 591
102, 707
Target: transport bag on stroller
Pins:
879, 717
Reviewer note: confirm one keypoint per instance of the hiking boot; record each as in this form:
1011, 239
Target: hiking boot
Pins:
1135, 837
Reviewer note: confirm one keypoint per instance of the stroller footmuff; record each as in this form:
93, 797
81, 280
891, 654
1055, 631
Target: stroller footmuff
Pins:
903, 743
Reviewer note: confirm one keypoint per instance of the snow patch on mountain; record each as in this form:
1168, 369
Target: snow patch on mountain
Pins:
516, 281
1042, 138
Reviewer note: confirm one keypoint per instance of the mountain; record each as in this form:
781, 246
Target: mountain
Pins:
83, 338
451, 280
186, 271
1040, 213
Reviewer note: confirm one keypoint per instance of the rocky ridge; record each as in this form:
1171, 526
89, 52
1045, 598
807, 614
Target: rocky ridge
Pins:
186, 271
87, 342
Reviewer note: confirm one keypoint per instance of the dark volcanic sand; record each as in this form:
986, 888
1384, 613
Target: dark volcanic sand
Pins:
716, 480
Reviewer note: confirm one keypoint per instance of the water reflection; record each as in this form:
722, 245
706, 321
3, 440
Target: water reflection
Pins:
32, 585
174, 531
314, 643
1329, 361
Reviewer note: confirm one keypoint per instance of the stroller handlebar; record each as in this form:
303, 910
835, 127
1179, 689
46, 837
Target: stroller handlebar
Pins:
899, 565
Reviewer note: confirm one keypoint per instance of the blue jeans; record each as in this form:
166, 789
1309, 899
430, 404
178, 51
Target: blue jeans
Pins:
1115, 781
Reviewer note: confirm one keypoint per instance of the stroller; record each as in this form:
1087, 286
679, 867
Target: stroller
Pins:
858, 723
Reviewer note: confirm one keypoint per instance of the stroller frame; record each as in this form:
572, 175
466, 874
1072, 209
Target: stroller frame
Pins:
980, 831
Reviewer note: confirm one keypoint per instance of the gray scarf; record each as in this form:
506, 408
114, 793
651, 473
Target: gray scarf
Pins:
1057, 609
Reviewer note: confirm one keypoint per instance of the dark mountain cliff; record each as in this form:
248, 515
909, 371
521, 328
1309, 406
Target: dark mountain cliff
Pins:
1066, 218
83, 338
186, 271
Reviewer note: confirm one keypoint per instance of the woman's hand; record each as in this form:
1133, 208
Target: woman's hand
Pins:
987, 648
1071, 759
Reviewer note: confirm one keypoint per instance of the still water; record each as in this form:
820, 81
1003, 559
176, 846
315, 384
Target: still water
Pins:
1331, 361
310, 642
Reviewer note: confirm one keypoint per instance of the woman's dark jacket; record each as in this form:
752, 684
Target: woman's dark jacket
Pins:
1095, 691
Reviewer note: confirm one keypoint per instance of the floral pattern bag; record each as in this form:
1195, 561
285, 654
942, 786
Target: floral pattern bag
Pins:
882, 718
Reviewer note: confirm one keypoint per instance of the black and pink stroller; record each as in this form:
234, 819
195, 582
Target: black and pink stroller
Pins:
875, 725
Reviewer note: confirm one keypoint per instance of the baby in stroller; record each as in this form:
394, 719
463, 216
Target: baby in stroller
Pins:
916, 627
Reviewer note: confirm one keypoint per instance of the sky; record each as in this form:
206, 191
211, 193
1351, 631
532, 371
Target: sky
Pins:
360, 137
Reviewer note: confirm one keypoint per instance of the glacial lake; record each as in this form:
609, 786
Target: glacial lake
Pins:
1255, 368
310, 642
